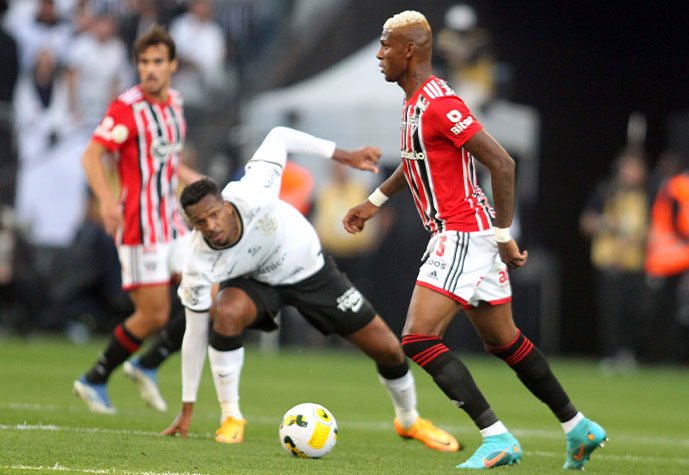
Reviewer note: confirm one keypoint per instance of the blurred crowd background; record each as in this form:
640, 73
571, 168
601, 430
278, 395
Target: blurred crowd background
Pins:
580, 95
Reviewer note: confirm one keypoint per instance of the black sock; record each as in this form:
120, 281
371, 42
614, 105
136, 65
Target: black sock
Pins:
121, 345
450, 374
224, 342
168, 341
533, 370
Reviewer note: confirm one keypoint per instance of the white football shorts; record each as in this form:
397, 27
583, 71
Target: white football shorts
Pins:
467, 268
152, 265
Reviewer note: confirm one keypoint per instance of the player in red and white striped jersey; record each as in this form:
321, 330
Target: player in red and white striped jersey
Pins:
465, 264
145, 128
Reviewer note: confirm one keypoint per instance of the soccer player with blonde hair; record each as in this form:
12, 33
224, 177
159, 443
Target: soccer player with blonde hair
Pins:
466, 261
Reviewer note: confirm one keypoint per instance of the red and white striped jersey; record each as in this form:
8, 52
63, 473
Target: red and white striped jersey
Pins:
440, 172
149, 137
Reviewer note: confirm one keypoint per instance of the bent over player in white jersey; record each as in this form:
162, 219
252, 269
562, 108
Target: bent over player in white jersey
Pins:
265, 254
465, 265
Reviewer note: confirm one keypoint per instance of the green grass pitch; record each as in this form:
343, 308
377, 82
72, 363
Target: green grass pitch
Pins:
45, 429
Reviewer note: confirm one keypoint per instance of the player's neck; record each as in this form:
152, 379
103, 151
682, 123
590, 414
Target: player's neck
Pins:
160, 96
237, 227
414, 80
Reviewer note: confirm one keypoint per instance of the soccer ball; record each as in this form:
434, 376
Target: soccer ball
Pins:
308, 430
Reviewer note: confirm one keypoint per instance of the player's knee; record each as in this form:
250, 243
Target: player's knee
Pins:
155, 316
230, 317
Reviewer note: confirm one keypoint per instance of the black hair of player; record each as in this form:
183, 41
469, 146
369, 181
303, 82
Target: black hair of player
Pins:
195, 192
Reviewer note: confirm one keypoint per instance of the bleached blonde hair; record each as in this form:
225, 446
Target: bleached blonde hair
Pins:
405, 18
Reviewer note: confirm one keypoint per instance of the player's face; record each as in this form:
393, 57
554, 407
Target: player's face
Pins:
155, 69
392, 56
214, 218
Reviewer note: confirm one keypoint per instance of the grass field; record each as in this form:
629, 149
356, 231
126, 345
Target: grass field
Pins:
45, 429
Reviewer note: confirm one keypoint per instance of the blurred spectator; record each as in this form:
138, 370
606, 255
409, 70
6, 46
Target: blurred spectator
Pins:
201, 53
98, 68
332, 203
51, 187
43, 31
297, 187
143, 15
616, 220
667, 266
669, 164
8, 79
468, 56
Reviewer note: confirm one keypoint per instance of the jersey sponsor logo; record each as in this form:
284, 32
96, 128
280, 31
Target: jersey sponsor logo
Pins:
436, 263
111, 132
272, 266
460, 124
161, 148
350, 300
296, 270
412, 155
193, 294
274, 175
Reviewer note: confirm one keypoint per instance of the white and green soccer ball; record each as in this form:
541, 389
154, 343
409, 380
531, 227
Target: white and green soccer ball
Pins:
308, 430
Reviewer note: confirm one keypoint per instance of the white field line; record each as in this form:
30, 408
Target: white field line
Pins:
367, 425
600, 454
60, 468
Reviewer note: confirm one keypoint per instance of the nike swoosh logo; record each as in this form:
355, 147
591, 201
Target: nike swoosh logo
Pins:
489, 463
439, 442
579, 454
224, 375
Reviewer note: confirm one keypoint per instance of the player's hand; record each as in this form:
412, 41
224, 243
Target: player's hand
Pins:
181, 423
356, 217
364, 158
112, 217
510, 255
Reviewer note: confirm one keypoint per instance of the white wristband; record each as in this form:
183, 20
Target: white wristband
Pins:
502, 234
377, 198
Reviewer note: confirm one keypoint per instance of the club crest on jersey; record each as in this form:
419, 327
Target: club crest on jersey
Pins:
267, 224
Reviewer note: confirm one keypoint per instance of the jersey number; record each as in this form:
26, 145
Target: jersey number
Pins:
441, 246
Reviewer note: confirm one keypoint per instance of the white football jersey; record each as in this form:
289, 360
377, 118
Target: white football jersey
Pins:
277, 246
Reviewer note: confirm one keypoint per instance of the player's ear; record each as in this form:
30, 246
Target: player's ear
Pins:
173, 65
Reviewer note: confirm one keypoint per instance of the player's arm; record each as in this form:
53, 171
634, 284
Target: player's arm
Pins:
187, 175
194, 347
356, 217
501, 166
92, 161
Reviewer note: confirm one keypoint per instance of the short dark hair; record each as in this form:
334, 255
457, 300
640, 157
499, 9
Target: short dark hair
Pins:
155, 35
194, 192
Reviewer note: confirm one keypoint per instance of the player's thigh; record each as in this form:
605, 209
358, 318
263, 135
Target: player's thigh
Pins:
329, 301
430, 312
493, 323
244, 303
151, 308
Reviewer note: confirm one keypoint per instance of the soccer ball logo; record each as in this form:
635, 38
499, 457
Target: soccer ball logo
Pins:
308, 430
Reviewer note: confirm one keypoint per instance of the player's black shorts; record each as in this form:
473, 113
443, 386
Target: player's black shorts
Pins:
327, 299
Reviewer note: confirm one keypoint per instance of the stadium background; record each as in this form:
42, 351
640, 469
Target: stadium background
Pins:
585, 66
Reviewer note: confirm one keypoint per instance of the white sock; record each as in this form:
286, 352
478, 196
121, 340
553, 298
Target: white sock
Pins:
227, 367
496, 428
567, 426
403, 394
